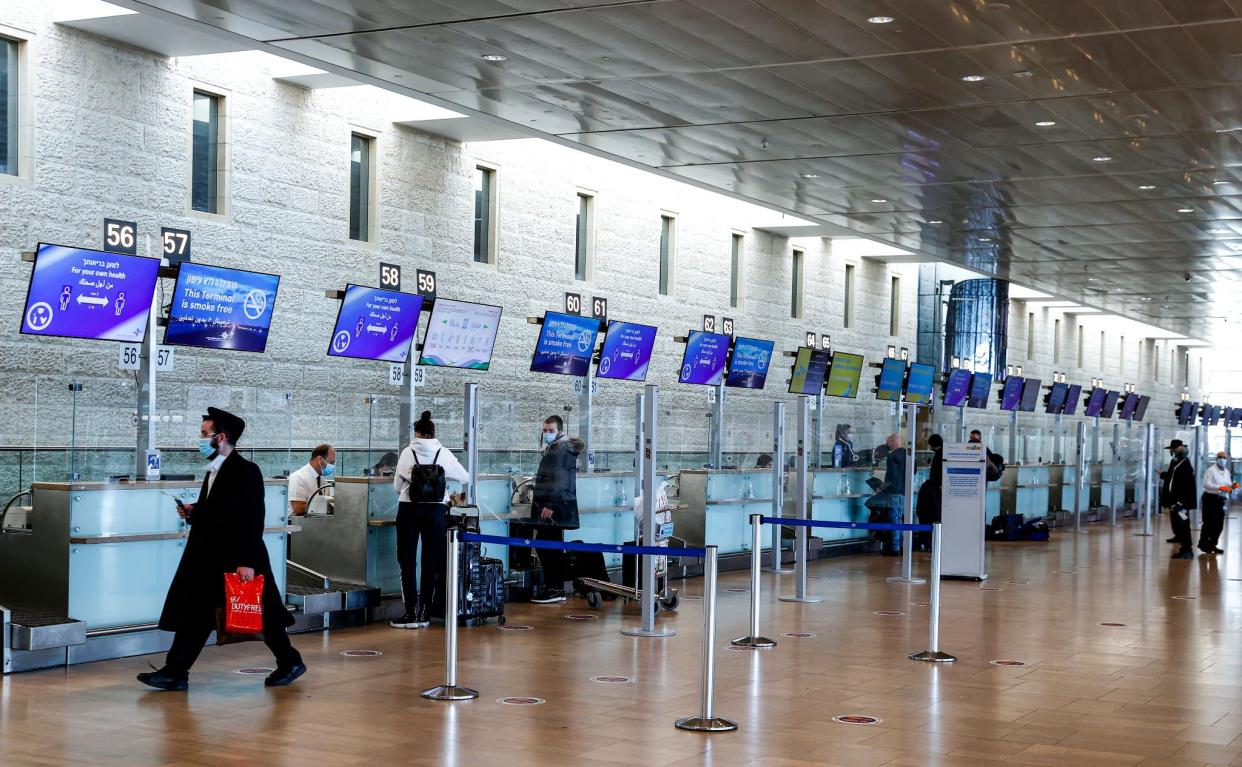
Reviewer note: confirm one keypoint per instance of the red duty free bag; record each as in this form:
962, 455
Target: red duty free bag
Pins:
243, 605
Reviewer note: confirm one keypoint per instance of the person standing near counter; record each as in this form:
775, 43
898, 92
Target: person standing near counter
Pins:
226, 536
843, 455
1217, 485
554, 505
1179, 494
888, 503
423, 471
309, 479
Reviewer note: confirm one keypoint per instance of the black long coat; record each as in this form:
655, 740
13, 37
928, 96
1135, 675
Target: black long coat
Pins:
556, 484
1178, 486
226, 532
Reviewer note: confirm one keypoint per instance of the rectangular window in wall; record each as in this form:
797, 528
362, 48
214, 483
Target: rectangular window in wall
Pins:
8, 106
582, 237
1082, 335
1056, 340
1103, 351
849, 295
1121, 355
668, 243
361, 150
735, 272
894, 307
795, 298
205, 158
1030, 335
484, 215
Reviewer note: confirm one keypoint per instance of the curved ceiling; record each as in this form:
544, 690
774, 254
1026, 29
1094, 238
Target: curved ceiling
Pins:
1087, 148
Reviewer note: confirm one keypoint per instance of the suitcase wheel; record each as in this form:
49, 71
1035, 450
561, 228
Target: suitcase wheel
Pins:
500, 621
670, 603
594, 600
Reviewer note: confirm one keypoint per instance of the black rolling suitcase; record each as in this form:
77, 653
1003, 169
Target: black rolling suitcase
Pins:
480, 587
586, 564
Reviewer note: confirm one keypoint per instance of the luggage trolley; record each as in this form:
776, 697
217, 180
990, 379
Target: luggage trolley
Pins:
667, 598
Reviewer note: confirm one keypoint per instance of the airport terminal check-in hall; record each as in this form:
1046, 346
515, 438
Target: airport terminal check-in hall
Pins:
622, 383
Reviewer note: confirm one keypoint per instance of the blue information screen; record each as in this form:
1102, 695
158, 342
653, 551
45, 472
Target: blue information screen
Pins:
705, 357
919, 383
1095, 402
1110, 404
1011, 397
375, 324
1072, 396
957, 388
892, 378
1030, 395
627, 351
217, 308
79, 293
980, 390
566, 344
748, 368
1056, 398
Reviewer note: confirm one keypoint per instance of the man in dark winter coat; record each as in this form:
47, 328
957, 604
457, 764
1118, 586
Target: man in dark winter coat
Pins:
554, 506
226, 536
1179, 493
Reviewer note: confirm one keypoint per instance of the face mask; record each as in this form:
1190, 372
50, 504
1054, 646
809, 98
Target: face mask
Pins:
328, 468
1221, 462
549, 437
1181, 452
205, 447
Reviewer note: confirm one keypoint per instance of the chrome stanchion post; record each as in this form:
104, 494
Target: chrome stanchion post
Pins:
647, 584
778, 484
907, 517
450, 690
933, 654
753, 639
1146, 480
707, 721
1080, 472
803, 514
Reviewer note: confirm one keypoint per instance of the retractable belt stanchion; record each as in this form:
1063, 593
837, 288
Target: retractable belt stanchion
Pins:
1145, 478
450, 689
907, 517
933, 653
647, 586
753, 639
803, 515
707, 721
778, 484
1080, 474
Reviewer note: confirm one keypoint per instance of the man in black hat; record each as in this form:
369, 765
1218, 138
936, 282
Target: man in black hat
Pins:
226, 536
1179, 494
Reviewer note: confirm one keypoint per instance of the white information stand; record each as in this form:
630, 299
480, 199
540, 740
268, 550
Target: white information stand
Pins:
962, 495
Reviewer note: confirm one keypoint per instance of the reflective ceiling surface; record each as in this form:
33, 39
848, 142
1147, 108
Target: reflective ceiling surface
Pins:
1089, 148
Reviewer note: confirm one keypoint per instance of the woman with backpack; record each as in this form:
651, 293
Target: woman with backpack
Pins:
423, 471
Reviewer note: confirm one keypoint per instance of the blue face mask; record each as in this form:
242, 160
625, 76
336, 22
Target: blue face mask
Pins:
205, 447
549, 437
328, 469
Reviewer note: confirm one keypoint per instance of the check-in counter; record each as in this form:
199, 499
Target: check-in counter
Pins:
839, 495
1032, 490
105, 553
719, 503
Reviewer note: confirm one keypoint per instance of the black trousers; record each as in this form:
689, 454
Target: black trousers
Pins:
427, 522
188, 643
553, 561
1179, 518
1213, 520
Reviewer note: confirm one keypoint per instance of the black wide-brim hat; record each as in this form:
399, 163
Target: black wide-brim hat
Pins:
226, 422
1175, 444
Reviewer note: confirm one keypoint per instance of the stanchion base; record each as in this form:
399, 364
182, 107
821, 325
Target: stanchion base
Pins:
454, 692
903, 579
805, 600
1142, 535
639, 631
779, 570
701, 724
933, 656
753, 642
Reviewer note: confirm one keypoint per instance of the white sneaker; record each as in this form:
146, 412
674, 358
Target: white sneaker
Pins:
551, 597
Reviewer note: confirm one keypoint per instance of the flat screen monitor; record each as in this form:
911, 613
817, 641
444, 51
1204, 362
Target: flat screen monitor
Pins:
844, 374
1110, 404
627, 351
892, 380
980, 390
1094, 402
1186, 413
1235, 418
1128, 405
1030, 395
956, 388
1140, 410
919, 383
809, 370
1212, 413
566, 345
1073, 396
1011, 397
705, 358
460, 335
374, 324
80, 293
1056, 398
217, 308
748, 365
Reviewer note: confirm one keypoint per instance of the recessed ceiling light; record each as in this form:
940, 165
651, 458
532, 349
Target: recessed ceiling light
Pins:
494, 57
985, 239
973, 78
810, 175
1101, 158
879, 200
880, 20
1146, 187
996, 6
1221, 182
1185, 210
1024, 74
935, 221
1045, 123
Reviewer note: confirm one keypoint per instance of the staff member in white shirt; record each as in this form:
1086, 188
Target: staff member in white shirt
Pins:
1217, 484
304, 482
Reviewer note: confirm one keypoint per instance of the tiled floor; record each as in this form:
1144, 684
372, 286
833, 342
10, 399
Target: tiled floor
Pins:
1164, 689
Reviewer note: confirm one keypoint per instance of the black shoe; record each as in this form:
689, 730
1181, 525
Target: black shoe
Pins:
551, 596
1184, 554
1207, 550
407, 621
1218, 551
162, 681
283, 677
1171, 540
421, 619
